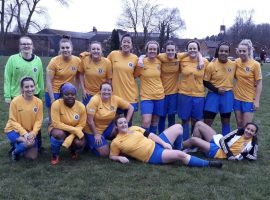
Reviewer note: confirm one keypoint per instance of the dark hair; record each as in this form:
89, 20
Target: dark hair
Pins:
170, 42
252, 123
220, 44
104, 83
126, 35
27, 78
194, 41
117, 118
152, 42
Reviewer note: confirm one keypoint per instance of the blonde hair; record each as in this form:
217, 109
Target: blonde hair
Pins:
248, 44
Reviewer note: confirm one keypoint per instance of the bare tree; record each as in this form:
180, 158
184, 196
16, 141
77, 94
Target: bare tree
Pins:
243, 27
24, 13
149, 14
169, 22
26, 9
7, 14
138, 15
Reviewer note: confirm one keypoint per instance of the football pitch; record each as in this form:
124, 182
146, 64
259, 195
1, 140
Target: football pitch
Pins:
91, 177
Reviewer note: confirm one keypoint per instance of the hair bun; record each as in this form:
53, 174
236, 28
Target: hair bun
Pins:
66, 37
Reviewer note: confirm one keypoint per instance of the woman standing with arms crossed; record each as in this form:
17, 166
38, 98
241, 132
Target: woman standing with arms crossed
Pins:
123, 66
20, 65
152, 91
94, 70
248, 87
61, 69
25, 120
191, 89
218, 78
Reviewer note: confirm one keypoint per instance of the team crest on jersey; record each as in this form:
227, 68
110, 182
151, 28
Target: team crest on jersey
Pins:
76, 117
34, 69
130, 64
247, 69
229, 69
91, 110
112, 108
100, 70
73, 68
35, 109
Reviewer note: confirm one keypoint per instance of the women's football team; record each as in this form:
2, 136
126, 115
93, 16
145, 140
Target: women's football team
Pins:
170, 83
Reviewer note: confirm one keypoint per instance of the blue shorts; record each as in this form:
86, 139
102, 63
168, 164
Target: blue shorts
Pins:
48, 99
86, 100
222, 103
13, 135
189, 106
121, 111
90, 139
156, 157
213, 149
154, 107
243, 106
170, 104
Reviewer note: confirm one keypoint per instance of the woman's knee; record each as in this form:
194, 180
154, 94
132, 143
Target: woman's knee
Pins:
58, 134
79, 143
104, 151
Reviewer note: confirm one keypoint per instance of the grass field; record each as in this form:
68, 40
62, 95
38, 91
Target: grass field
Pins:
91, 177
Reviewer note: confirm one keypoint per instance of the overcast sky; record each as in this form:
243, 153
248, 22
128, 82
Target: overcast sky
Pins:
202, 17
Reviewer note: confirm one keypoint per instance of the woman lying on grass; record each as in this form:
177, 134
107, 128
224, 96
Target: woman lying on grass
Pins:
150, 148
236, 145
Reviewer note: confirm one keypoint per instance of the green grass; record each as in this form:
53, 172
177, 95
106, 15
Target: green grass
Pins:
91, 177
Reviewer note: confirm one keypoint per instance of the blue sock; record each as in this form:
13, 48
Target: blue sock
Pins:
147, 129
226, 128
161, 124
171, 120
55, 145
197, 162
19, 148
153, 129
185, 131
178, 142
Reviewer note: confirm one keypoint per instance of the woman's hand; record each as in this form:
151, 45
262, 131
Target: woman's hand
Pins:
231, 158
256, 105
84, 93
98, 139
123, 160
167, 146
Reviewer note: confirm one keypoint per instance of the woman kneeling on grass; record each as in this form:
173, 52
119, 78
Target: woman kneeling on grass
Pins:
25, 120
68, 120
150, 148
101, 111
237, 145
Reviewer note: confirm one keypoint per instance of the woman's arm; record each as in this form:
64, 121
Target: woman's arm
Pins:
130, 112
258, 94
49, 78
56, 122
81, 77
158, 140
39, 119
121, 159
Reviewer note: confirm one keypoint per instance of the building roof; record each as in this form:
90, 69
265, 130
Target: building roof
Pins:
72, 34
211, 44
